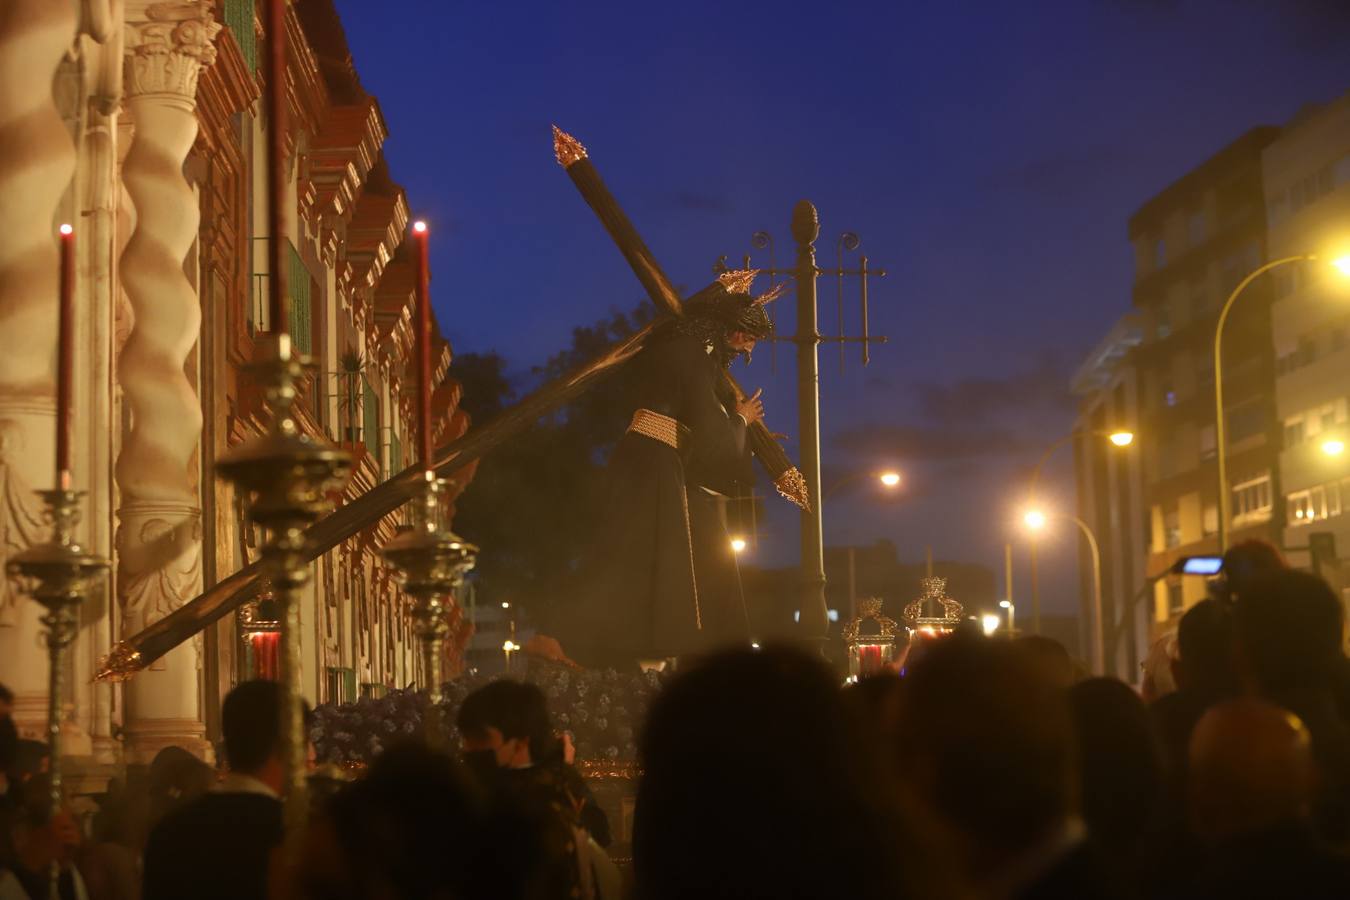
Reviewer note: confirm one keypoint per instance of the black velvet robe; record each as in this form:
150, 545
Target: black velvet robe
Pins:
661, 579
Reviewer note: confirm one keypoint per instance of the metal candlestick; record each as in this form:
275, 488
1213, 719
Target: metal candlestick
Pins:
57, 575
287, 477
431, 562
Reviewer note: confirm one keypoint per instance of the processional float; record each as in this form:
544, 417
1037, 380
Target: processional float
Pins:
138, 651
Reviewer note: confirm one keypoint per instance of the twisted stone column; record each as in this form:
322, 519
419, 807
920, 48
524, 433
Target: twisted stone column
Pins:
159, 533
37, 159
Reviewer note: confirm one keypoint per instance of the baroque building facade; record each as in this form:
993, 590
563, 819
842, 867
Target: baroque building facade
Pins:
140, 123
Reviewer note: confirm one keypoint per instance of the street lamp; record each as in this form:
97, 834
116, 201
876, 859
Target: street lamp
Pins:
887, 478
1012, 612
990, 622
1333, 447
1342, 265
1036, 520
1119, 438
738, 545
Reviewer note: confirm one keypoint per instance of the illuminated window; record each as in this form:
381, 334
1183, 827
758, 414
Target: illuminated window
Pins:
1252, 500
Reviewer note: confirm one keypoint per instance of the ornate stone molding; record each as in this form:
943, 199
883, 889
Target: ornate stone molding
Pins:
167, 49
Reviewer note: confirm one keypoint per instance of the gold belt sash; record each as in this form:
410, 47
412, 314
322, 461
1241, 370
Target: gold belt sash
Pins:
660, 428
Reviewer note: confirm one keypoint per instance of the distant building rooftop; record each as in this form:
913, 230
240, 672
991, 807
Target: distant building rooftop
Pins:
1097, 370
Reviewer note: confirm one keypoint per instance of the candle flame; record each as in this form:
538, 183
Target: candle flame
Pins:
66, 228
420, 227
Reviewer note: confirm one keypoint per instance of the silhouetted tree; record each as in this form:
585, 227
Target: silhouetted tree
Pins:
532, 505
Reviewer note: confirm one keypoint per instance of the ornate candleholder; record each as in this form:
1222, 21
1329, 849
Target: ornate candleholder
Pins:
287, 477
57, 574
431, 562
934, 613
870, 639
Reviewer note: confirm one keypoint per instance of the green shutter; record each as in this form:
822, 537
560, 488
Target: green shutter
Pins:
239, 19
302, 311
370, 420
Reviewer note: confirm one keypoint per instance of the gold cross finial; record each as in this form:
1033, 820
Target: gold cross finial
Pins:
567, 149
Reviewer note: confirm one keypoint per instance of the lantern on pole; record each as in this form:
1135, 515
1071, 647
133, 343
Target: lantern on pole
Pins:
934, 614
870, 638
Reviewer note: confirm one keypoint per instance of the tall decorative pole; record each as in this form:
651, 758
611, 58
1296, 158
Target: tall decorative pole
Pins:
430, 559
58, 572
814, 617
815, 621
57, 575
286, 475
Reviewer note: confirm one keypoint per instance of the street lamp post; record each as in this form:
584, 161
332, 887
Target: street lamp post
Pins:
1118, 438
1036, 520
805, 230
1220, 420
889, 479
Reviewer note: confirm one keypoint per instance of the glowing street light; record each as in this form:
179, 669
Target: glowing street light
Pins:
1333, 447
890, 479
1034, 519
1342, 264
738, 545
990, 622
1122, 438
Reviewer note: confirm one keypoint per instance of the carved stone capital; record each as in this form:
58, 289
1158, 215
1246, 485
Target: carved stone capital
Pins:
167, 45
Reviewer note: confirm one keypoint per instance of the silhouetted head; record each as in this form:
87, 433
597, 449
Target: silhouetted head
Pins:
1120, 763
1288, 629
986, 744
1244, 562
748, 787
1051, 656
509, 718
417, 828
250, 719
1251, 768
1204, 663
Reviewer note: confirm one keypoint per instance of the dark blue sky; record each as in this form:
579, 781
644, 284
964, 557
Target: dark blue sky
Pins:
987, 153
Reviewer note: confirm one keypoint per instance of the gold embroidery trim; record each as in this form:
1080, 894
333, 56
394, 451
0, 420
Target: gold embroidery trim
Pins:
659, 428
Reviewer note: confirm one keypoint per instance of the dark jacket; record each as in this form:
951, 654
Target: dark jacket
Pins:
217, 847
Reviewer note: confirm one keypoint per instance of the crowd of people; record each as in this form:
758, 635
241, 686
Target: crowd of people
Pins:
988, 768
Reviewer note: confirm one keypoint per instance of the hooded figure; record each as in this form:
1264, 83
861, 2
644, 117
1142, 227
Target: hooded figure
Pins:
661, 580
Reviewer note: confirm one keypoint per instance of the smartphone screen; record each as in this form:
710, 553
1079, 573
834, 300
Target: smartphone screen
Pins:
1202, 565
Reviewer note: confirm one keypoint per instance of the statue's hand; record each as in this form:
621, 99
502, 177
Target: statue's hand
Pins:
751, 409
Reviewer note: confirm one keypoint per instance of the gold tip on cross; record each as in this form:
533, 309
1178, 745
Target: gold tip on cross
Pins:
119, 663
567, 149
738, 281
792, 485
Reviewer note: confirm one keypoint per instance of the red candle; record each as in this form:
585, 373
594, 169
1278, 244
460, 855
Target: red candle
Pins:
274, 100
869, 659
65, 356
420, 235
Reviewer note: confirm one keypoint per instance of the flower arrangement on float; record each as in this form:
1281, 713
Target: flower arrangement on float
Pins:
600, 709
